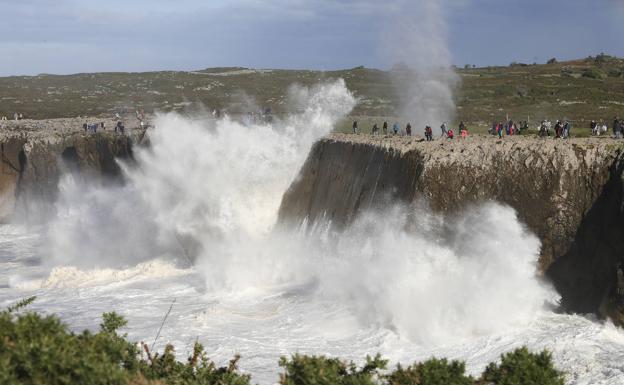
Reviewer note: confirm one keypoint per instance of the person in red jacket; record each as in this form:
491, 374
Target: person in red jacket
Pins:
449, 134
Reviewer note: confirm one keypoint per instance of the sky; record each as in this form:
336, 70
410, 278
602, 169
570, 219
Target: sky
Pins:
71, 36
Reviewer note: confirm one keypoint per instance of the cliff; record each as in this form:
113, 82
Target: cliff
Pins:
34, 154
569, 193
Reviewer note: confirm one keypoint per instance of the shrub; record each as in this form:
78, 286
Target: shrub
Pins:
522, 367
593, 73
321, 370
616, 72
37, 349
431, 372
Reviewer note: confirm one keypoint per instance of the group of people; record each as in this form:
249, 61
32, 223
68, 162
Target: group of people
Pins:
91, 128
562, 128
601, 128
447, 133
16, 116
508, 128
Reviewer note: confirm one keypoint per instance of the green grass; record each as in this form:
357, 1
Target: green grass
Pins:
579, 91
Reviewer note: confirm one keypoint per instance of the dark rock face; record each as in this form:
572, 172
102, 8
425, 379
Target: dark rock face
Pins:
569, 193
33, 162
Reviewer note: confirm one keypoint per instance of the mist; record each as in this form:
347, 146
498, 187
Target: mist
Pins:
416, 41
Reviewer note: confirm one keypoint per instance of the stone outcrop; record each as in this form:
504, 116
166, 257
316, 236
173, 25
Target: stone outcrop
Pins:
569, 193
34, 154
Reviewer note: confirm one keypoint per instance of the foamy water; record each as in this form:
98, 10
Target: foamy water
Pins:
195, 223
264, 323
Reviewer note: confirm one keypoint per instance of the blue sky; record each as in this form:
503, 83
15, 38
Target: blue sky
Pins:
69, 36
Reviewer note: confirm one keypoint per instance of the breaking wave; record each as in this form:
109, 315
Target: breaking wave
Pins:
206, 193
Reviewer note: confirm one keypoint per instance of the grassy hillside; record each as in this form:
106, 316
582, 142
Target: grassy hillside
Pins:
581, 90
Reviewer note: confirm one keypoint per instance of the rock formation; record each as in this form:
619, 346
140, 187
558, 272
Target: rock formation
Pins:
34, 154
569, 193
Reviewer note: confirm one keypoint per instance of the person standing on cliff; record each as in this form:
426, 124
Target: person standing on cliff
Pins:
375, 129
463, 133
395, 128
428, 133
617, 128
443, 129
385, 128
558, 129
355, 127
408, 130
566, 130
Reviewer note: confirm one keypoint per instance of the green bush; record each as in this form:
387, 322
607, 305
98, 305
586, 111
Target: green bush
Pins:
593, 73
37, 349
522, 367
431, 372
320, 370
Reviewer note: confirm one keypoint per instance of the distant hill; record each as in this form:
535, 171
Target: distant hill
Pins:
579, 90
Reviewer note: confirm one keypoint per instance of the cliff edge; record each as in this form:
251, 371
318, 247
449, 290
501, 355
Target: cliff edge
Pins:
569, 193
34, 155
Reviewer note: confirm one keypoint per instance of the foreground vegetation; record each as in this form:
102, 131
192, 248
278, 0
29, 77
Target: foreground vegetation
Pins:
37, 349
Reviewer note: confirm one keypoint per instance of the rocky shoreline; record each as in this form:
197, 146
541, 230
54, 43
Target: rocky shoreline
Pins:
568, 192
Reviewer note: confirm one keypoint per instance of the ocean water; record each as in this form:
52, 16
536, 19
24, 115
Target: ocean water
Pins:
194, 226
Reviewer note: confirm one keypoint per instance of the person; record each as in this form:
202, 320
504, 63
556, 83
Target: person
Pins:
428, 133
604, 129
463, 133
510, 127
385, 128
450, 134
408, 130
492, 130
355, 127
566, 130
375, 129
542, 128
443, 129
461, 125
594, 127
617, 128
85, 127
558, 129
120, 127
395, 128
499, 130
102, 126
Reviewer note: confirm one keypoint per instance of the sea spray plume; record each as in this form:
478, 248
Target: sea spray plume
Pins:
206, 183
416, 38
436, 288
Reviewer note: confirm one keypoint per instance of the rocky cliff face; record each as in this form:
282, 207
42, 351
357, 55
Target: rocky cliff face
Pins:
34, 158
569, 193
